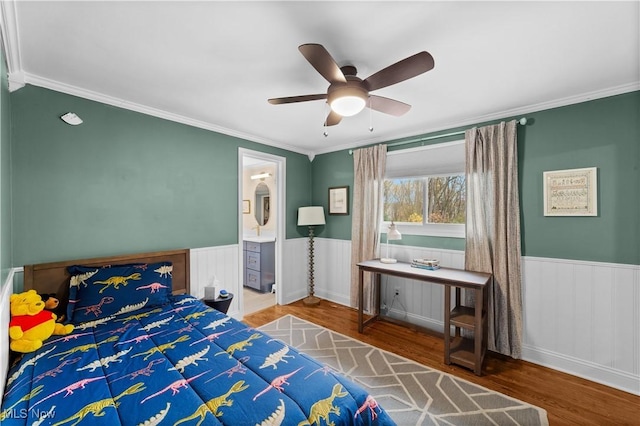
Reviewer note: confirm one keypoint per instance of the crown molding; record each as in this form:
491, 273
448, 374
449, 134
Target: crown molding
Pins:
557, 103
11, 44
109, 100
121, 103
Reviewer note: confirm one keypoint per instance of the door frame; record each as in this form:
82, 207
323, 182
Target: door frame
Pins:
280, 178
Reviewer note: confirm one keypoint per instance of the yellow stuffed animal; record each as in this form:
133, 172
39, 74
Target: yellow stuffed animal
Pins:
30, 323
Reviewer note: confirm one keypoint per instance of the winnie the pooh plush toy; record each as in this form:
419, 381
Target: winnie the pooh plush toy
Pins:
30, 323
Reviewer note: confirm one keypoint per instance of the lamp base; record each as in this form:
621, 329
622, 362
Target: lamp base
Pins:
311, 301
388, 260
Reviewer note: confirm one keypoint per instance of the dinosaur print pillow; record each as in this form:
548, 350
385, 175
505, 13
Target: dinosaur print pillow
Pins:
100, 292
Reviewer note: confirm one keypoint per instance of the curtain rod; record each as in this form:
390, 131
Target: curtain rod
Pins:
522, 122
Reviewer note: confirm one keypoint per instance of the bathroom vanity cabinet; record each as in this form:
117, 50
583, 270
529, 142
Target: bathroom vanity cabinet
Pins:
259, 265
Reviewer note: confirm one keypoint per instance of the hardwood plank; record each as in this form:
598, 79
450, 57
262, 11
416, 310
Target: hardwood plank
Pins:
569, 400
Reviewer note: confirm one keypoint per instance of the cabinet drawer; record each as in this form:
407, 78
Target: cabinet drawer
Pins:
251, 246
253, 279
253, 260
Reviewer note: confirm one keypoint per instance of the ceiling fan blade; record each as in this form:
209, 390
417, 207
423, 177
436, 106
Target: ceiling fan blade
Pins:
400, 71
333, 118
388, 106
322, 61
302, 98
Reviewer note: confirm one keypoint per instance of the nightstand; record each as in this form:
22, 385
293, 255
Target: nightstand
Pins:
219, 304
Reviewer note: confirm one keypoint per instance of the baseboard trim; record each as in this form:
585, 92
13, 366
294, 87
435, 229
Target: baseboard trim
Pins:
333, 297
584, 369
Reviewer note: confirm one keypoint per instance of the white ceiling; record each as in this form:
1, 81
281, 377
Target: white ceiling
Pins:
215, 64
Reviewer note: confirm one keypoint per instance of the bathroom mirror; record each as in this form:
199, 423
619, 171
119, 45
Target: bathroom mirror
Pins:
262, 204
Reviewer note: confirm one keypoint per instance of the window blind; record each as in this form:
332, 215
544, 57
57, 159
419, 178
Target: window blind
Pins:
439, 159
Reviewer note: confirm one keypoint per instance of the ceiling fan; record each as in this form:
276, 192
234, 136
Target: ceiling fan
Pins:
348, 94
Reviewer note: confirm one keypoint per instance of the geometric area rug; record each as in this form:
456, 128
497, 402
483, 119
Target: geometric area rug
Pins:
411, 393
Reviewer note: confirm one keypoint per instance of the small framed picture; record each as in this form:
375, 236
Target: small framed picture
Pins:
246, 206
572, 192
339, 200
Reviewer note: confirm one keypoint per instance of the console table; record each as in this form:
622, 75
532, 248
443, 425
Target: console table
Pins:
462, 350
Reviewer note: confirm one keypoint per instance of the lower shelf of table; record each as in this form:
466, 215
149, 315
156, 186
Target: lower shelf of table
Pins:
462, 352
464, 317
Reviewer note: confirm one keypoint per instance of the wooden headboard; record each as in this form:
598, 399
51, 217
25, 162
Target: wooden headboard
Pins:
47, 278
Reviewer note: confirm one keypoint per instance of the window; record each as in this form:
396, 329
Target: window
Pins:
442, 197
425, 190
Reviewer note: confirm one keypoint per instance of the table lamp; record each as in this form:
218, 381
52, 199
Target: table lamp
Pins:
311, 216
392, 234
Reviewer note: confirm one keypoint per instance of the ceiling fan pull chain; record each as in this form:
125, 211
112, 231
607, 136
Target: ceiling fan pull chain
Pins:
325, 133
370, 114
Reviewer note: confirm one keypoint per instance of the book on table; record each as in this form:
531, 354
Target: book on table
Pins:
429, 264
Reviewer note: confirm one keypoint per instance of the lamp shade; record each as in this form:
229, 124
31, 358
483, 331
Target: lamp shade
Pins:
393, 233
347, 100
347, 106
312, 215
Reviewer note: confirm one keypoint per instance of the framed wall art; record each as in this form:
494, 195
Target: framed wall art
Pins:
339, 200
246, 206
571, 192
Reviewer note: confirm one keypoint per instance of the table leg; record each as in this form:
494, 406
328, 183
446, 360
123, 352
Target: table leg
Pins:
447, 327
376, 308
360, 300
478, 332
457, 302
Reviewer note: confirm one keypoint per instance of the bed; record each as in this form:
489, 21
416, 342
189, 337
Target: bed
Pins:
145, 352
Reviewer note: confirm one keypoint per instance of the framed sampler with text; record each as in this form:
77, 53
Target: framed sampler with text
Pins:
571, 192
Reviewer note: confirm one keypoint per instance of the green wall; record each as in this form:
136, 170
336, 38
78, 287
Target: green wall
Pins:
330, 170
5, 173
604, 133
125, 181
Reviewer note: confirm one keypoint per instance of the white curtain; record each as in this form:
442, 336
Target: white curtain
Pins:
368, 167
493, 229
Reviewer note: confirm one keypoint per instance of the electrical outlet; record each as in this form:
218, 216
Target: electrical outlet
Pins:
397, 291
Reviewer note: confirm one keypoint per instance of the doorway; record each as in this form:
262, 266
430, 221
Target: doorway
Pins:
261, 230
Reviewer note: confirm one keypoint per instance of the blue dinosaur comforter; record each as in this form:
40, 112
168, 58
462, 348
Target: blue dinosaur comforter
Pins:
179, 364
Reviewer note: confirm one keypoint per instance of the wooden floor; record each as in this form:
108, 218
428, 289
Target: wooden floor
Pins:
569, 400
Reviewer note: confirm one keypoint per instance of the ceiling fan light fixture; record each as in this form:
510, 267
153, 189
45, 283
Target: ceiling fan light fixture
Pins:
348, 94
347, 100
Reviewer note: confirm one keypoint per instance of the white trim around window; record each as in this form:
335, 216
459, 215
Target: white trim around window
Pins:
451, 230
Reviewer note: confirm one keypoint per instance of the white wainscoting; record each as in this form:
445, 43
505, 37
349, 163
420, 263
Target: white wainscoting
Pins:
333, 270
224, 263
580, 317
584, 318
293, 283
417, 302
219, 262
